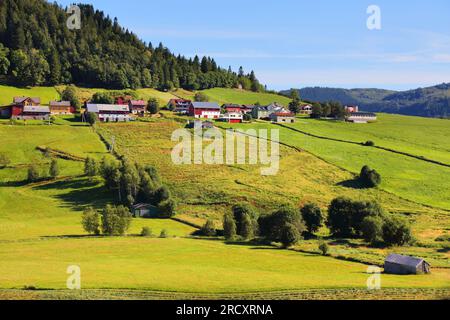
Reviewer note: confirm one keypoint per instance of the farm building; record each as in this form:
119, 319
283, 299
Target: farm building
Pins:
200, 124
144, 210
179, 105
232, 117
110, 112
306, 109
264, 112
398, 264
282, 117
33, 113
137, 107
15, 110
232, 108
247, 108
205, 110
351, 109
61, 107
362, 117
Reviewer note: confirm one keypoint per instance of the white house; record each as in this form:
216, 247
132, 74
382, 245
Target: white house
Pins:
362, 117
110, 112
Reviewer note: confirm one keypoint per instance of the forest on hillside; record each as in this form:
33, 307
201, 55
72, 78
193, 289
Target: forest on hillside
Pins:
37, 48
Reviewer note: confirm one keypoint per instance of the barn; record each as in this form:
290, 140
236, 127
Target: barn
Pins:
144, 210
205, 110
398, 264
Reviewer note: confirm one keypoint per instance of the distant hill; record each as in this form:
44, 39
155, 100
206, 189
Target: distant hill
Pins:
427, 102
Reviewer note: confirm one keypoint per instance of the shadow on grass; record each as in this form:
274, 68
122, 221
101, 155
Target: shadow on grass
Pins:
352, 184
81, 193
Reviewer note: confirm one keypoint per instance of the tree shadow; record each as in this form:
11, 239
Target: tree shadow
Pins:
81, 193
352, 184
444, 250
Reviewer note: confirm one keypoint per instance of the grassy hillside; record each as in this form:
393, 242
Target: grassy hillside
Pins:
45, 93
222, 95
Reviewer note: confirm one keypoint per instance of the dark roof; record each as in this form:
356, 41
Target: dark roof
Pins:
404, 260
231, 105
142, 206
206, 105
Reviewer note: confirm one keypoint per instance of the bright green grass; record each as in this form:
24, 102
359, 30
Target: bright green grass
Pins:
409, 178
222, 95
415, 135
7, 93
185, 265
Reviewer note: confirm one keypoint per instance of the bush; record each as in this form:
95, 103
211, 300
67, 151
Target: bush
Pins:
91, 118
33, 174
369, 143
396, 231
4, 160
345, 216
153, 106
289, 235
91, 221
164, 234
167, 209
115, 220
272, 226
146, 232
324, 248
372, 229
246, 218
369, 178
229, 227
208, 229
201, 97
90, 167
312, 216
247, 117
54, 169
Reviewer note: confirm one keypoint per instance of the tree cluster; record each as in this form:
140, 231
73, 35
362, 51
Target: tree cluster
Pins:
114, 221
331, 109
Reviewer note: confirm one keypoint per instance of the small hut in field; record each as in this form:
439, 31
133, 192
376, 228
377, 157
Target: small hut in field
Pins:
398, 264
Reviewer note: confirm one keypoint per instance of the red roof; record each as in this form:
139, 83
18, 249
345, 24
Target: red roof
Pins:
137, 102
284, 114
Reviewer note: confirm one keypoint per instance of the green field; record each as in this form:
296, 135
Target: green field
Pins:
7, 93
222, 96
40, 231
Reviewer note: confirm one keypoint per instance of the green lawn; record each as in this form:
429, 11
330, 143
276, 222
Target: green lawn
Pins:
222, 95
7, 93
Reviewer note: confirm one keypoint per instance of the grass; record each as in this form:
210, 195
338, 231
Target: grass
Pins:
185, 265
222, 95
45, 93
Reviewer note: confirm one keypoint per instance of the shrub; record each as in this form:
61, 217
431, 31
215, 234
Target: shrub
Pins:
312, 216
345, 216
289, 235
91, 221
372, 229
245, 217
201, 97
229, 226
272, 226
369, 178
324, 248
208, 229
115, 220
146, 232
369, 143
153, 106
247, 117
91, 118
54, 169
167, 209
33, 174
4, 160
396, 231
164, 234
90, 167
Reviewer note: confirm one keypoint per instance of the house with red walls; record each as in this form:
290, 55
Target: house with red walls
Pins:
204, 110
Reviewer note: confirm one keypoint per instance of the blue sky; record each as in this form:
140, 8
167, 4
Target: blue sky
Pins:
297, 43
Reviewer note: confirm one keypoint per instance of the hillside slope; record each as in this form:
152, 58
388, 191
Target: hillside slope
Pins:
428, 102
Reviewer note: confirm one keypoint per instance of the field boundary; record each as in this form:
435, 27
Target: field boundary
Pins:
406, 154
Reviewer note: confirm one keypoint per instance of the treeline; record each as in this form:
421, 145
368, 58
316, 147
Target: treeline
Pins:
287, 225
37, 48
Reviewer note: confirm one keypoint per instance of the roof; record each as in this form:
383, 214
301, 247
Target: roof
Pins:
96, 108
284, 114
231, 105
22, 99
205, 105
39, 109
137, 102
139, 206
404, 260
363, 114
60, 103
179, 101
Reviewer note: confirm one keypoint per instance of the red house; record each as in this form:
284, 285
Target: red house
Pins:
205, 110
232, 108
16, 109
137, 107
